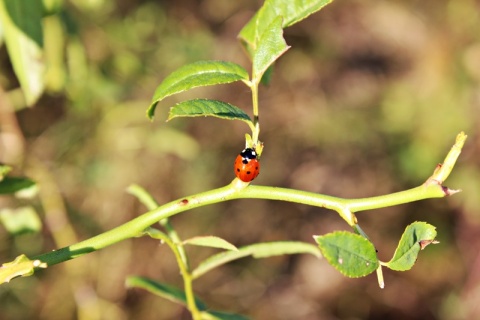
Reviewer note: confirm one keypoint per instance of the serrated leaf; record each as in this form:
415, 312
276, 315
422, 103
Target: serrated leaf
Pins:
211, 241
297, 10
15, 184
351, 254
201, 73
207, 107
259, 250
292, 12
163, 290
271, 45
22, 26
20, 267
20, 220
415, 237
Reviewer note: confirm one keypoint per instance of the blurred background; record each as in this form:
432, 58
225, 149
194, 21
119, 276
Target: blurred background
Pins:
366, 102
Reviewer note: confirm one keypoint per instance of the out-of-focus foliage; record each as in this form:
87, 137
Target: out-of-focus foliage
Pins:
367, 101
21, 22
20, 220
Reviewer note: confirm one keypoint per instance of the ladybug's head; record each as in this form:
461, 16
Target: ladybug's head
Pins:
248, 154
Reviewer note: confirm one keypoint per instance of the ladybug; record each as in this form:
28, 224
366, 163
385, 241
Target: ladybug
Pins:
246, 165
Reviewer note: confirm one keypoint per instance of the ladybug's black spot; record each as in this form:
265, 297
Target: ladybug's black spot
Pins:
248, 172
238, 170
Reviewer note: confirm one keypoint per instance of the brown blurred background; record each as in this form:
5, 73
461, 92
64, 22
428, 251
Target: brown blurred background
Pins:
366, 102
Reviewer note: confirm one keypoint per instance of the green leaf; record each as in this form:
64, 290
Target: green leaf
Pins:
143, 196
351, 254
20, 267
207, 107
219, 315
162, 290
297, 10
415, 238
271, 46
292, 12
52, 6
20, 220
4, 170
22, 25
15, 184
267, 76
247, 35
259, 250
201, 73
211, 241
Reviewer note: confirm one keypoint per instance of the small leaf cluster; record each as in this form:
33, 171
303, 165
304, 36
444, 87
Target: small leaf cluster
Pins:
262, 39
355, 256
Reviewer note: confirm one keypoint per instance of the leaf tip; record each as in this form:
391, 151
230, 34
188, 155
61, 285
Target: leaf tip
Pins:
151, 110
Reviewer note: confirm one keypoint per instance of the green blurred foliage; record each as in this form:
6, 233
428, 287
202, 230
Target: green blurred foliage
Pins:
368, 100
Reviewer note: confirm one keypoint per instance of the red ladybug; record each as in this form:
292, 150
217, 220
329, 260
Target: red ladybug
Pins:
246, 165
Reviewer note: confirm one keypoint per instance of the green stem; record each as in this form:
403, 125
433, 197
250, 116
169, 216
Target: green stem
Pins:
411, 195
238, 190
256, 123
152, 204
192, 306
179, 254
176, 239
135, 227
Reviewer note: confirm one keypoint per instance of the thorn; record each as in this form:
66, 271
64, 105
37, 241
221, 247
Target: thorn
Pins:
449, 192
425, 243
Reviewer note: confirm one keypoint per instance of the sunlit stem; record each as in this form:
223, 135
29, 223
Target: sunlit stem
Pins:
443, 170
256, 130
233, 191
240, 190
148, 200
